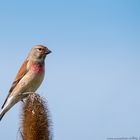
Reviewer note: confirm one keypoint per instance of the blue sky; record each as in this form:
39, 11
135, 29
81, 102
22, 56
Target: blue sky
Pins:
93, 75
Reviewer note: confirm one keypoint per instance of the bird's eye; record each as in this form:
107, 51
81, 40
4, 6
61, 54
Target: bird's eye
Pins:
39, 49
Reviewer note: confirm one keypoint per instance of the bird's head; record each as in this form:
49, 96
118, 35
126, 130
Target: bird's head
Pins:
38, 53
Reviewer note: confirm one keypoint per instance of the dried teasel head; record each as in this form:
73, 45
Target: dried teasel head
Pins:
35, 124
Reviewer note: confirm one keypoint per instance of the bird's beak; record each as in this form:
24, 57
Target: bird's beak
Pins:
48, 51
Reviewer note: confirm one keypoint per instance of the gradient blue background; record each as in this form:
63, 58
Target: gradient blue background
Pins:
92, 81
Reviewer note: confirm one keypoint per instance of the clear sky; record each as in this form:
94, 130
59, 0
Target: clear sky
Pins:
92, 81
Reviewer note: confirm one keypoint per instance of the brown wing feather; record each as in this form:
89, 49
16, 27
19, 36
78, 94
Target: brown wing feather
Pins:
22, 71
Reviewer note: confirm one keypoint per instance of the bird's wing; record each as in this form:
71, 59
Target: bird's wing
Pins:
22, 71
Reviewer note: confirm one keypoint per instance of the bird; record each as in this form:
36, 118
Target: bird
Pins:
28, 78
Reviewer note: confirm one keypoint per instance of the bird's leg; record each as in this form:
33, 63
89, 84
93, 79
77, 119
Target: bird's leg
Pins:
26, 94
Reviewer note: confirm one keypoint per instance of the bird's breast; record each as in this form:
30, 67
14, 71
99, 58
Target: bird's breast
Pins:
33, 79
37, 68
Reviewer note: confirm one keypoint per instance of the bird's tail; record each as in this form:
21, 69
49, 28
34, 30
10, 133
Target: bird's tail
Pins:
9, 103
2, 113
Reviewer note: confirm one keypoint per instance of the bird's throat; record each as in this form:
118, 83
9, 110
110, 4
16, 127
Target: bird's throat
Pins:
37, 68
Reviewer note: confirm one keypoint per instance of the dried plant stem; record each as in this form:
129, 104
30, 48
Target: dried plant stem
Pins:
35, 122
